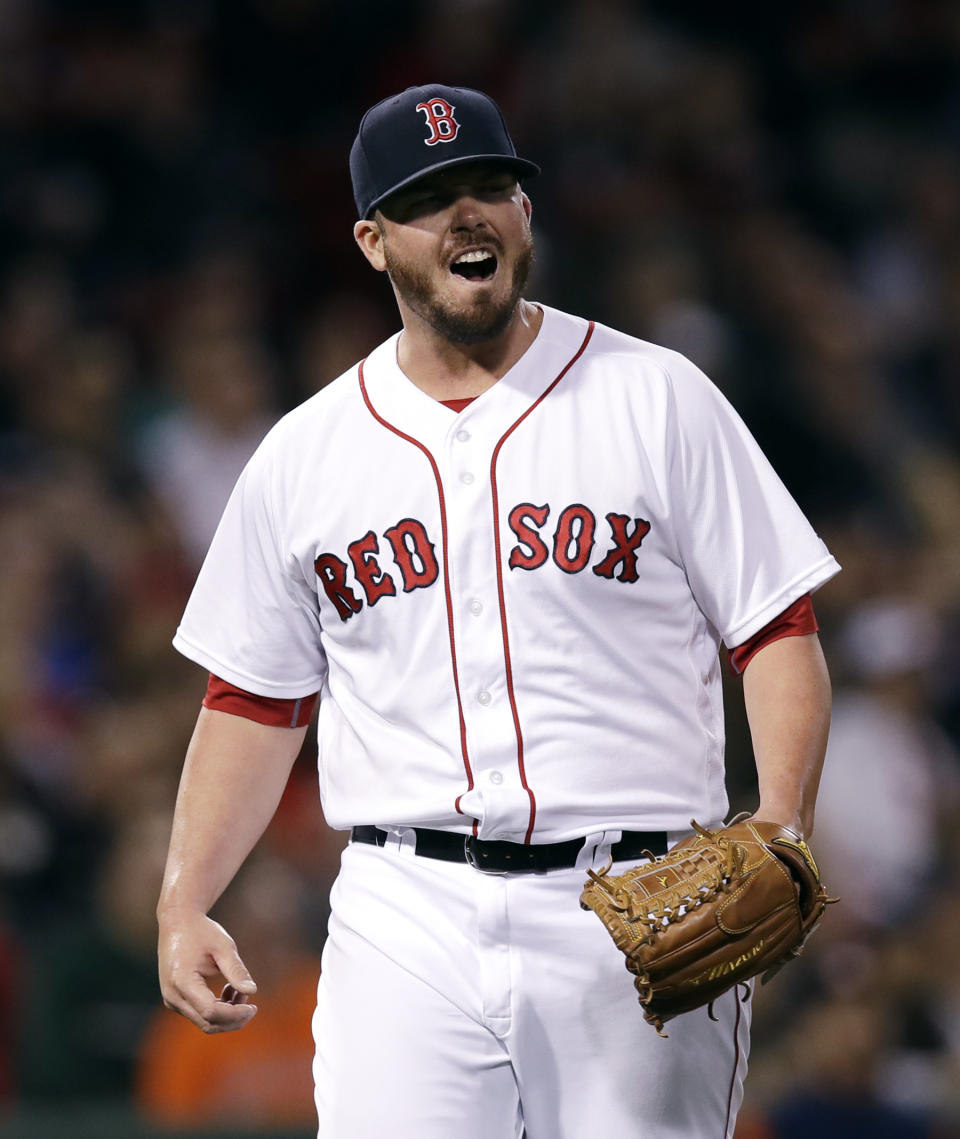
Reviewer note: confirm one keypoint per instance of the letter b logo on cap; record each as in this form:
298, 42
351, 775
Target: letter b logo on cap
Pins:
439, 115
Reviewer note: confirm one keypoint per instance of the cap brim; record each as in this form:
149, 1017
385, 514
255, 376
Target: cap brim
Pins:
523, 168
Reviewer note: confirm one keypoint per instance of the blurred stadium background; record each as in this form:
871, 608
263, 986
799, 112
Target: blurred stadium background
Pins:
776, 195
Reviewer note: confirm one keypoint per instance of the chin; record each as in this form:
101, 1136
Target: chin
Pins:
474, 324
476, 317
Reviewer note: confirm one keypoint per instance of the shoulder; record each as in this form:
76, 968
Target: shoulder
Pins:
313, 427
321, 411
642, 357
655, 375
621, 352
664, 390
294, 448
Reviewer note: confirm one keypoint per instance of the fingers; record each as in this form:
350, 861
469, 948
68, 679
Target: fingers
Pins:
236, 973
194, 949
209, 1013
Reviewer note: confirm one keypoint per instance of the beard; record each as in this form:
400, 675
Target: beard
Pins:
474, 322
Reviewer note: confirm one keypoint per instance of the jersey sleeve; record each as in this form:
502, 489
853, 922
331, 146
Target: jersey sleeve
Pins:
252, 618
746, 547
797, 620
273, 711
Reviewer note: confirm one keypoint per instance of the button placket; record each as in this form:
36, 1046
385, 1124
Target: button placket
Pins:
490, 726
463, 435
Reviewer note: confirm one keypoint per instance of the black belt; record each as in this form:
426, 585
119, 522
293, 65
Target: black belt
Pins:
501, 857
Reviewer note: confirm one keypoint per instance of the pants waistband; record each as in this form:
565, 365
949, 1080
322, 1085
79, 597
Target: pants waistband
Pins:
503, 857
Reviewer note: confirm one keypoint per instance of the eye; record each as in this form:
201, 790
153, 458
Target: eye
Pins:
499, 188
406, 207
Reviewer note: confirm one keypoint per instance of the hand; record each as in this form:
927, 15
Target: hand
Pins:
193, 948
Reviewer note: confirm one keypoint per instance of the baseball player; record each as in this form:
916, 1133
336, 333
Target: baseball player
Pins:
503, 552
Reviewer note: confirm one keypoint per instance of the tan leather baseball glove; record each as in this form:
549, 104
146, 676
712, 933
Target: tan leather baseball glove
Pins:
719, 908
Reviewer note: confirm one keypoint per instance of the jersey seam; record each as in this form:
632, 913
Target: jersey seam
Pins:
714, 741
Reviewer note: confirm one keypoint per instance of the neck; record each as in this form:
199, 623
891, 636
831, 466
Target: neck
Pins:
445, 370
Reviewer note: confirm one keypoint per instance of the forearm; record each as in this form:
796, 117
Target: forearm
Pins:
234, 774
786, 690
233, 777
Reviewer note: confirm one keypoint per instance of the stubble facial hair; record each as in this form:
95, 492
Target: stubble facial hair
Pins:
482, 321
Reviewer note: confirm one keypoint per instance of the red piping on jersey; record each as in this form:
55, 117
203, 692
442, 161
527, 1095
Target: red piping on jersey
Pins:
503, 609
446, 580
736, 1059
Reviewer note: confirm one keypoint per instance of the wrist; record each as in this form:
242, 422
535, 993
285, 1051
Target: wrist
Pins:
179, 910
784, 815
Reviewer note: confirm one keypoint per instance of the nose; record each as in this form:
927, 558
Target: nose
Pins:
467, 214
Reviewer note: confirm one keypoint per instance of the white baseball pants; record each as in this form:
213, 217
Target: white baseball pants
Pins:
455, 1004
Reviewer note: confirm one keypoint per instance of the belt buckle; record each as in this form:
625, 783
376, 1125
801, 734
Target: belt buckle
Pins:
470, 854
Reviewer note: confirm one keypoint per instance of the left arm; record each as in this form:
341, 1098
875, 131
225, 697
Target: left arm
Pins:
786, 691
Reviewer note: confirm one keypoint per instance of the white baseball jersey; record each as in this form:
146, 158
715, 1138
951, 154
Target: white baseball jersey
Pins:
512, 613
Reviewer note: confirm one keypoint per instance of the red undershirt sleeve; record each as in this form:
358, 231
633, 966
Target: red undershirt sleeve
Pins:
222, 696
797, 620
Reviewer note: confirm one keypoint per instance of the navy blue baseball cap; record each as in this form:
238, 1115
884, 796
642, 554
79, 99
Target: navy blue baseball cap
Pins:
422, 130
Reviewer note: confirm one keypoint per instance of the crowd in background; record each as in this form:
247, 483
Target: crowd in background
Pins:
774, 192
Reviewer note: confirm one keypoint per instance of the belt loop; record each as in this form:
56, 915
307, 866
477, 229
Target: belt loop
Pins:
596, 849
400, 839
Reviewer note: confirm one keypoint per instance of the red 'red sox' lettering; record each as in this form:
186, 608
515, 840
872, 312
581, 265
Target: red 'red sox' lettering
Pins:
573, 538
375, 582
412, 548
520, 517
628, 542
413, 553
333, 576
570, 548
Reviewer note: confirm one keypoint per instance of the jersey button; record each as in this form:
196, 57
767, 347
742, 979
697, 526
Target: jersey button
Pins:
466, 478
496, 777
476, 606
462, 435
484, 698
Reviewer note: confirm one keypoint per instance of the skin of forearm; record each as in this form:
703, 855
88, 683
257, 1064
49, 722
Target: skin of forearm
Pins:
233, 777
786, 691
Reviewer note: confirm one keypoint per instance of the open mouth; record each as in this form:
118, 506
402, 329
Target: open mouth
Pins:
477, 265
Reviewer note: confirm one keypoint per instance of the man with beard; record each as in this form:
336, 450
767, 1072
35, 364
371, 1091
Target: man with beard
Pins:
503, 551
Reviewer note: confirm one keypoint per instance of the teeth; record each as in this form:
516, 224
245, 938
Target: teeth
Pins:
474, 255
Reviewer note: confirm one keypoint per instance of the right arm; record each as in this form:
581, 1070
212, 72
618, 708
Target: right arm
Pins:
233, 778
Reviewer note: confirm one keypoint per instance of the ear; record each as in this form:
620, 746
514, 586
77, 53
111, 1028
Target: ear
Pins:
369, 237
527, 204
